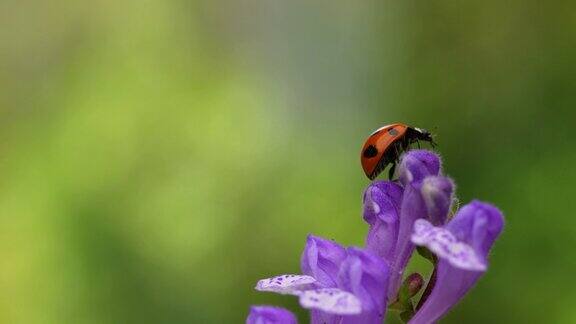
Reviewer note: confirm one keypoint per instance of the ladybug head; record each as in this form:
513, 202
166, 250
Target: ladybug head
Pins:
425, 135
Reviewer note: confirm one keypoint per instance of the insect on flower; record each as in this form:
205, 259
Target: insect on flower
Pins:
385, 145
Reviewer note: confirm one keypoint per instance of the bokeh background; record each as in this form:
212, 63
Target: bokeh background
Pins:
158, 157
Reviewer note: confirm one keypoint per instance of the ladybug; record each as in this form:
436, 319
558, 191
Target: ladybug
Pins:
385, 145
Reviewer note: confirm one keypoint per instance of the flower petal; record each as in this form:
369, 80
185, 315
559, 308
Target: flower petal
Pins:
270, 315
320, 317
477, 225
445, 245
381, 210
381, 201
321, 259
366, 276
331, 300
287, 284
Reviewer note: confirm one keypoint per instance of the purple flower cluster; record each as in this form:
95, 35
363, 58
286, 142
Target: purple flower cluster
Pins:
358, 285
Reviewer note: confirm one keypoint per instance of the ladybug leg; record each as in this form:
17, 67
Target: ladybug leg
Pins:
396, 159
391, 170
418, 142
397, 155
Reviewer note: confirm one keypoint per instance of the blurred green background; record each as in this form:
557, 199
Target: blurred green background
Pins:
158, 157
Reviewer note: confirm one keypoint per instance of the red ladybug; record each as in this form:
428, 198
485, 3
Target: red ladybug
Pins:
385, 145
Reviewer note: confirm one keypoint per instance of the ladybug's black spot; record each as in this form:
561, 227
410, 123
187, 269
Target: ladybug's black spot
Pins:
370, 152
392, 132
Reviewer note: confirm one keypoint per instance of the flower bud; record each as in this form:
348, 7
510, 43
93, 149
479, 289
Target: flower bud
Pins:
415, 165
437, 194
412, 285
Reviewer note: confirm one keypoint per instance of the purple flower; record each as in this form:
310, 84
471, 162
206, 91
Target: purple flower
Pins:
338, 285
391, 210
462, 247
352, 285
270, 315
